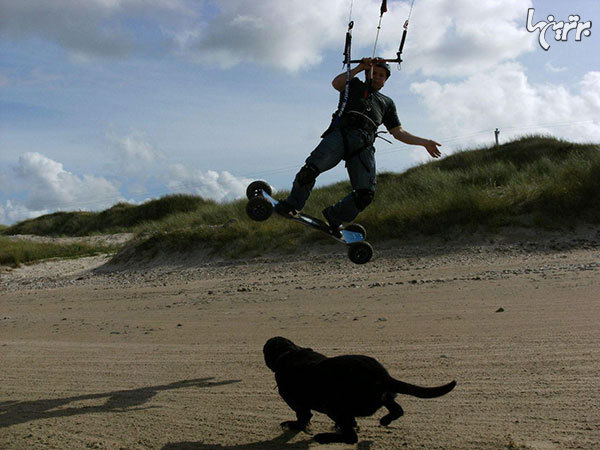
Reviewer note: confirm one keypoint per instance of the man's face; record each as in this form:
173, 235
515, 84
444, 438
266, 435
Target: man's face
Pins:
379, 77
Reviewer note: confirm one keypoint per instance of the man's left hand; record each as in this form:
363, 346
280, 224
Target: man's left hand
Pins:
432, 148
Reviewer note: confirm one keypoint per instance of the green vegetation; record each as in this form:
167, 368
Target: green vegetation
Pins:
15, 253
122, 217
535, 181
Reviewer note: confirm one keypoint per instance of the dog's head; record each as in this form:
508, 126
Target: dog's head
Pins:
275, 348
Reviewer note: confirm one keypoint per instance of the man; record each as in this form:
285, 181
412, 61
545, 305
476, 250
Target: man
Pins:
351, 138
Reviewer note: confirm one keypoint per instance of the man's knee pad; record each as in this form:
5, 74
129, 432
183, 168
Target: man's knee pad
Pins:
363, 198
307, 175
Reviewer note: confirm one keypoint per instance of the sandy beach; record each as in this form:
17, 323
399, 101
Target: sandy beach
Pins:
170, 356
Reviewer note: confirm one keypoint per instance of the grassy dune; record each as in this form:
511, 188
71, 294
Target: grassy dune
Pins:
534, 181
15, 253
122, 217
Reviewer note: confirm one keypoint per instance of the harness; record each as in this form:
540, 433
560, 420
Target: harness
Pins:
355, 119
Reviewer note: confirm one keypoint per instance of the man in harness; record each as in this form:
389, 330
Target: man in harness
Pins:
350, 137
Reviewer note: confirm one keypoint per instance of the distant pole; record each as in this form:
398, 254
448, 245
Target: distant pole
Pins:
497, 133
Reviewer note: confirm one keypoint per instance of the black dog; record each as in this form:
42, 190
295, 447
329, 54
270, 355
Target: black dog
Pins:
343, 387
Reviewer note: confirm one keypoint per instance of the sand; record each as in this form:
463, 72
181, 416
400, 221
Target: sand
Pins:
170, 356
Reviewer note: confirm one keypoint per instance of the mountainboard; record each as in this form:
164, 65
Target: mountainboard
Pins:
261, 205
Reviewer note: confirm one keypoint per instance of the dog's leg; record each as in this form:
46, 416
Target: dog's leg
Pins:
347, 434
354, 425
395, 410
301, 424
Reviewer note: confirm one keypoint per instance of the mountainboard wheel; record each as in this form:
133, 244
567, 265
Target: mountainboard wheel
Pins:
254, 189
360, 252
357, 228
259, 208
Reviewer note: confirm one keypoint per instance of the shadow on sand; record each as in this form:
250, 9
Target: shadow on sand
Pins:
16, 412
281, 441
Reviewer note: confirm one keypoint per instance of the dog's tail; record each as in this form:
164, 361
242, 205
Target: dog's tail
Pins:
422, 392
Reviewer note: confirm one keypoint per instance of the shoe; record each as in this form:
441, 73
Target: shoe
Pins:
283, 208
334, 225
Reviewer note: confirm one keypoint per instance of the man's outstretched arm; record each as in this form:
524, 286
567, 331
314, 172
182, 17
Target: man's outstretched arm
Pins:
404, 136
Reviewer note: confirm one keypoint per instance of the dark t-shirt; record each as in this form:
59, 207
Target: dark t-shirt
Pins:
373, 104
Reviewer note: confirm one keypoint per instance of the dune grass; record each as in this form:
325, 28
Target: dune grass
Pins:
122, 217
15, 253
544, 181
535, 181
532, 182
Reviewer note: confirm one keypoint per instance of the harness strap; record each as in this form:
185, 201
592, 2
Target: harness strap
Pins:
347, 155
366, 120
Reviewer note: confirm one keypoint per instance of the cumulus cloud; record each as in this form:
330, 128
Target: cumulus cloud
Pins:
462, 37
11, 212
551, 68
505, 98
49, 186
138, 157
446, 36
284, 34
135, 153
209, 184
91, 28
42, 185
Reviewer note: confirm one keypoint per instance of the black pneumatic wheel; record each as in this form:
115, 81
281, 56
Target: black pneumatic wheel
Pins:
259, 209
254, 189
360, 252
357, 228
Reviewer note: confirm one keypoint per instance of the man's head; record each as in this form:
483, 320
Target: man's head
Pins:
381, 72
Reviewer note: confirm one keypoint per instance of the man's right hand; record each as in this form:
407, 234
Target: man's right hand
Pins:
366, 63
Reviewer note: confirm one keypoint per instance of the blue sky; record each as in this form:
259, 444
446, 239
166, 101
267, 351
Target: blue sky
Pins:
125, 100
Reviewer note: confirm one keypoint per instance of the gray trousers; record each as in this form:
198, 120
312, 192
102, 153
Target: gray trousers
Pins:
360, 166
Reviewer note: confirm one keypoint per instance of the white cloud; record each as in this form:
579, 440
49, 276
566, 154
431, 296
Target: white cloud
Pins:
139, 158
446, 37
11, 212
504, 98
49, 186
90, 28
46, 186
39, 185
463, 37
590, 85
209, 185
551, 68
135, 153
286, 34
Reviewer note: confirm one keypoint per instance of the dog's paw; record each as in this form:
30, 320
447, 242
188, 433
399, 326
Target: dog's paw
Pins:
385, 421
337, 428
328, 438
294, 425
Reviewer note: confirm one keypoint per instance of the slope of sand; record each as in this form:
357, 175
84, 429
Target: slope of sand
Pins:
170, 357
